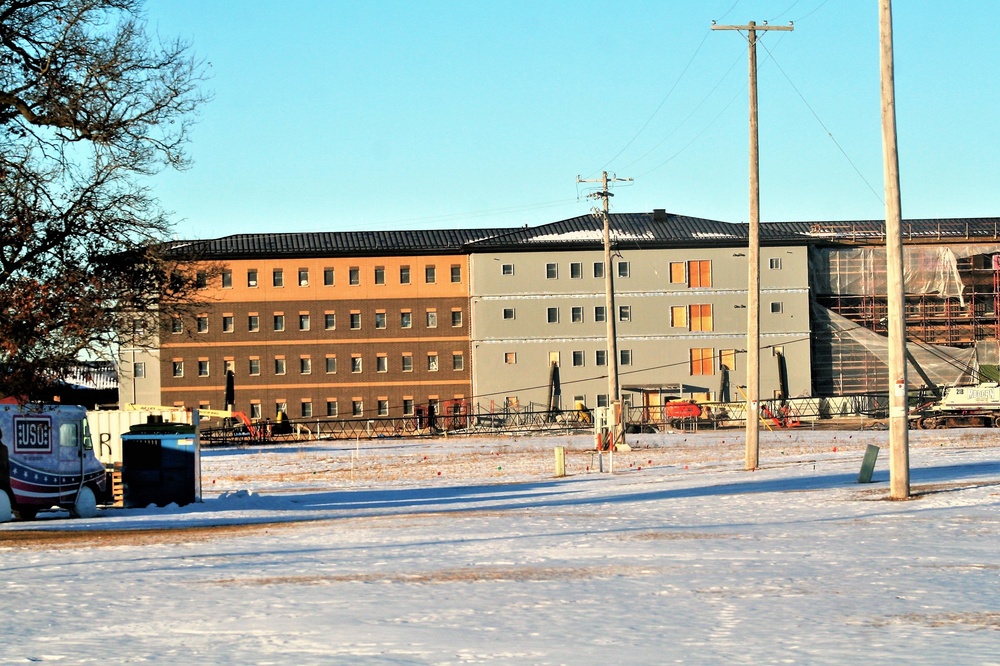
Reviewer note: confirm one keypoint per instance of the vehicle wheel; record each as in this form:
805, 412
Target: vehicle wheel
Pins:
85, 505
6, 512
996, 421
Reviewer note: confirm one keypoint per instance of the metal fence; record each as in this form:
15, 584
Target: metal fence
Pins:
463, 418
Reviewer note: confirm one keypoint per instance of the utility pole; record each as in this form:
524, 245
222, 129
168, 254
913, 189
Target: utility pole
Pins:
752, 458
899, 444
614, 398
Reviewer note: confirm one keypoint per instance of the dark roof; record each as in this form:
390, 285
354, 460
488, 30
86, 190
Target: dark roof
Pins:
647, 230
330, 243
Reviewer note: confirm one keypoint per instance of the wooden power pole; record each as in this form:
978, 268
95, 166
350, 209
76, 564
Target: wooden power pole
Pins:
752, 459
899, 444
610, 316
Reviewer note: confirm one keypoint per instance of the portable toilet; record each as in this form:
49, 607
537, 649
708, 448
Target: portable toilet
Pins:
161, 464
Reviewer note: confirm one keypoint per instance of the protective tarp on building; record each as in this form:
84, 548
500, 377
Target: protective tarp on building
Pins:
850, 358
861, 271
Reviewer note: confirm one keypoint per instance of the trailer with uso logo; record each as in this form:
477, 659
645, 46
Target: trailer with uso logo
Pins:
46, 460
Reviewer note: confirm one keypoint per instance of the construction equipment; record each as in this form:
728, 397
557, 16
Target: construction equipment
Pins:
960, 407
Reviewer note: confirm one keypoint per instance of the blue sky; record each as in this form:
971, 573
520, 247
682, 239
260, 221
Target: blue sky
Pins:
339, 116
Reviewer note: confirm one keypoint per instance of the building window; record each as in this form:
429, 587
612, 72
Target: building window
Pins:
253, 323
677, 273
203, 323
381, 364
254, 366
355, 321
227, 323
305, 366
255, 410
407, 406
252, 277
578, 358
405, 319
383, 407
303, 277
727, 359
432, 363
600, 313
624, 357
701, 361
380, 275
379, 320
304, 322
227, 279
678, 316
552, 315
407, 363
457, 362
510, 358
776, 307
229, 365
598, 269
577, 314
774, 263
279, 366
307, 409
332, 408
624, 313
456, 274
507, 269
176, 325
601, 357
701, 317
331, 365
602, 399
203, 368
327, 277
178, 368
508, 313
430, 274
404, 275
330, 321
551, 271
456, 318
699, 273
357, 408
623, 269
575, 270
554, 358
432, 319
354, 275
279, 322
201, 280
355, 364
278, 277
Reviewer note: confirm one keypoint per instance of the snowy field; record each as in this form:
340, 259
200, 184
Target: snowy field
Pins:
469, 551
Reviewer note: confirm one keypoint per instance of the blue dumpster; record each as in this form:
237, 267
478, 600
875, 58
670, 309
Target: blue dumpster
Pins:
160, 465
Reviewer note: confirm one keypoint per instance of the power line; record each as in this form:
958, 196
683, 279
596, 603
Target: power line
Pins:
823, 125
660, 106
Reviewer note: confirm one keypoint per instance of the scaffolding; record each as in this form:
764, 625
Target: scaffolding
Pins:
952, 303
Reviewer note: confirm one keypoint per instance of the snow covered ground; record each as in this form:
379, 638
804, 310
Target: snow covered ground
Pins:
460, 551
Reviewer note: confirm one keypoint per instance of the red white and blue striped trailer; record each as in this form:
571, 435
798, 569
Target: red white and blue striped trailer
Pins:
46, 460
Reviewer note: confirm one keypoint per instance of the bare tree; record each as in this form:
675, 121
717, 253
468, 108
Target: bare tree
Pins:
91, 105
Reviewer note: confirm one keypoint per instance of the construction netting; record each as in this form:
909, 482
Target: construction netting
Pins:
927, 269
857, 358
